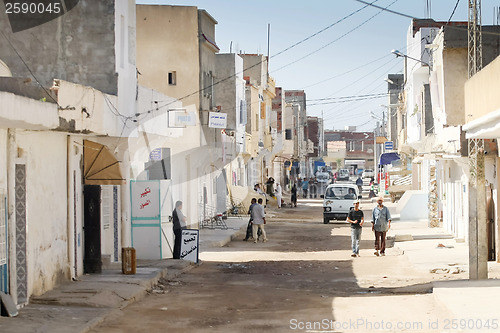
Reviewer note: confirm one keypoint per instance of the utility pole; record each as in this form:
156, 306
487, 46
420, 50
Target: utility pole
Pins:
478, 248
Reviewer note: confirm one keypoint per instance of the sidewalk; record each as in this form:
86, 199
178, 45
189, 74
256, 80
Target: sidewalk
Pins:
435, 251
80, 305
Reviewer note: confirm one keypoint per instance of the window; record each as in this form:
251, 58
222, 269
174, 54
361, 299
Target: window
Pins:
172, 78
243, 112
288, 134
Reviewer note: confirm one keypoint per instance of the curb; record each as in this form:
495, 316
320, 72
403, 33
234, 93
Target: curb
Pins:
164, 273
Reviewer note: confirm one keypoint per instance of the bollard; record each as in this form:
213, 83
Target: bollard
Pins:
128, 260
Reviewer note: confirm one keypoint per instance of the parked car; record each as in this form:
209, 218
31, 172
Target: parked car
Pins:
368, 173
338, 201
343, 174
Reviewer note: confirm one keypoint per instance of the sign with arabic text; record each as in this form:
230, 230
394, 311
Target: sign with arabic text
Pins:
145, 199
190, 245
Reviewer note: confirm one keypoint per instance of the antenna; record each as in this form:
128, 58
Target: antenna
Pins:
268, 43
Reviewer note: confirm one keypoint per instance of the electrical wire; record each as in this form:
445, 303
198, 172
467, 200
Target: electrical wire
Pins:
385, 9
260, 62
335, 40
29, 70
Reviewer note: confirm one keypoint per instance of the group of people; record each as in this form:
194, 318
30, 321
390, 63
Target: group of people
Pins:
381, 223
309, 187
255, 227
271, 191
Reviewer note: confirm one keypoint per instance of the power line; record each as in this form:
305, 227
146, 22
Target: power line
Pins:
29, 69
344, 97
387, 10
350, 100
260, 62
346, 72
337, 39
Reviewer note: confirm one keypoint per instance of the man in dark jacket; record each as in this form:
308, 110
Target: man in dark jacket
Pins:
356, 219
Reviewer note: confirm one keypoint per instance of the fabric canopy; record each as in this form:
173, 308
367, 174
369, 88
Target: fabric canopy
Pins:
100, 166
388, 158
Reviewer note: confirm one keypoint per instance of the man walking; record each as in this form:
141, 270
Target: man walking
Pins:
381, 223
259, 219
250, 222
356, 219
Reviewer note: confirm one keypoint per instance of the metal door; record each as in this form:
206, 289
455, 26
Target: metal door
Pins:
92, 229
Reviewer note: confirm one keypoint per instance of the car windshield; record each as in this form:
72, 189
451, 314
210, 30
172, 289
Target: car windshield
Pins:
340, 193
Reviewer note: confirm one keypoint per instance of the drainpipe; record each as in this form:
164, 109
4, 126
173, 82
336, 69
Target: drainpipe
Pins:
71, 213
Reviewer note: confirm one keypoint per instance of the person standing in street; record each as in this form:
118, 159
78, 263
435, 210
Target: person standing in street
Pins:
179, 221
305, 187
381, 223
359, 184
294, 195
313, 186
270, 186
253, 202
356, 219
279, 193
259, 219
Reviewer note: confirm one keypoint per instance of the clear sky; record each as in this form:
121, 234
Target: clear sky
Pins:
351, 58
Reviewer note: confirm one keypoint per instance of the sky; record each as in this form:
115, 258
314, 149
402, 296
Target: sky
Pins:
341, 68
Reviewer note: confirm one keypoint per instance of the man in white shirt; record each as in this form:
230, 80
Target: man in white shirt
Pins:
278, 193
259, 219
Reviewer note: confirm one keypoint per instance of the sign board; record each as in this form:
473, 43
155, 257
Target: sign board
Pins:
145, 199
380, 139
155, 155
388, 145
181, 118
190, 245
217, 120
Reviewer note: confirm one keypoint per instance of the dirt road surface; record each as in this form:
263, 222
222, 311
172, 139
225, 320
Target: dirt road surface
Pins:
302, 279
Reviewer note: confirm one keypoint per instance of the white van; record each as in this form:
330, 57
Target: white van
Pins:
343, 174
338, 201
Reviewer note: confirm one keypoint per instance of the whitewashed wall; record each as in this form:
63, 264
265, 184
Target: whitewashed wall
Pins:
44, 154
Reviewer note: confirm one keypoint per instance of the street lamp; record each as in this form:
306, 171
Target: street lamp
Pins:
400, 54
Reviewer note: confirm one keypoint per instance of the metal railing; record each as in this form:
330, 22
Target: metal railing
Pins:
210, 218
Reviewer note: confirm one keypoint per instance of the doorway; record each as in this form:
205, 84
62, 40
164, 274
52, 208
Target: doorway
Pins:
92, 262
490, 220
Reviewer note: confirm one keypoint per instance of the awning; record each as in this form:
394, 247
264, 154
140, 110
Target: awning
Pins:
388, 158
100, 166
485, 127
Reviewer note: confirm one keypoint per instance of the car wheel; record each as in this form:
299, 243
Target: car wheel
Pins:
326, 220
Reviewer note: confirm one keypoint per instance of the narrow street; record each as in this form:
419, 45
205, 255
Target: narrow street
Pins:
303, 275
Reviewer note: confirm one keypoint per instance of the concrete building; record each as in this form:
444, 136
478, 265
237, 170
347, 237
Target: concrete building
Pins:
231, 99
46, 206
395, 83
357, 147
481, 111
260, 91
297, 98
436, 148
180, 61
